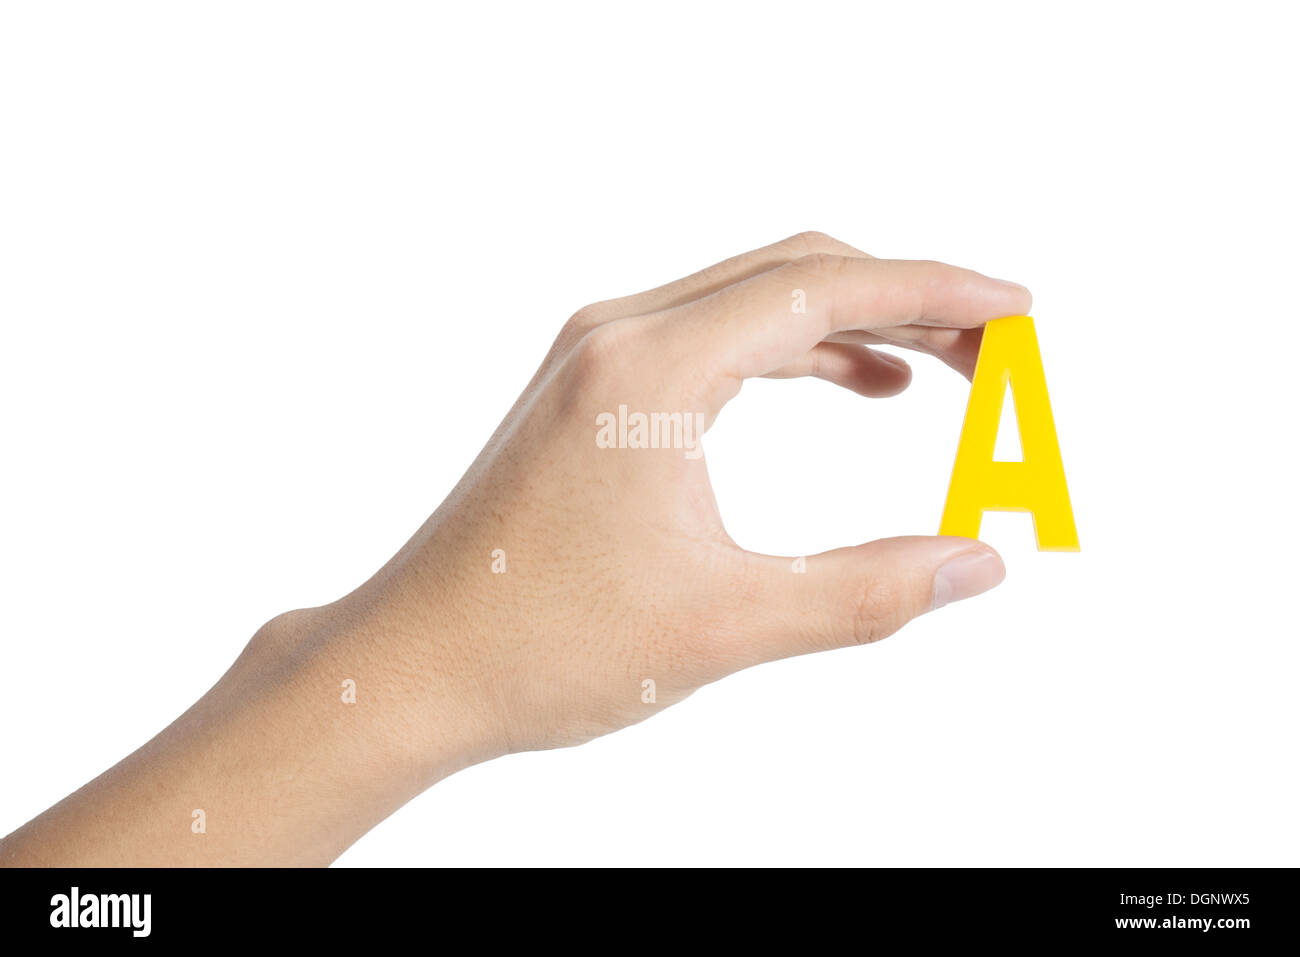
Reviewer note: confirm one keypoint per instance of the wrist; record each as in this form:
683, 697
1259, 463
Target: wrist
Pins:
381, 686
282, 762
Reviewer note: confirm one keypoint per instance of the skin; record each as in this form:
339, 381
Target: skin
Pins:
618, 570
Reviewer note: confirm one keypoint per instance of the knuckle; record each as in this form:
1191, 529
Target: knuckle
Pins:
588, 317
579, 325
816, 363
875, 611
822, 265
936, 275
809, 239
603, 348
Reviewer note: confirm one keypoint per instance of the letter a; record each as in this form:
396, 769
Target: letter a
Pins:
1009, 356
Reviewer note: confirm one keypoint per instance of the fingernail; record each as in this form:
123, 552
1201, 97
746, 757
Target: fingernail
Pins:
966, 576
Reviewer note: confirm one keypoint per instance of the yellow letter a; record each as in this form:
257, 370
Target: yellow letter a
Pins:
1009, 354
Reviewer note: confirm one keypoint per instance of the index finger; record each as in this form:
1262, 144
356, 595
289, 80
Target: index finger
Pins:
769, 320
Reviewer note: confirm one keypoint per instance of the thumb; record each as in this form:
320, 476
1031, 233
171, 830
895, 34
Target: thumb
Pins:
862, 594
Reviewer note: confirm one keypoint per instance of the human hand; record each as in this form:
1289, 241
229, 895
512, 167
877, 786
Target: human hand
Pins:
612, 567
557, 579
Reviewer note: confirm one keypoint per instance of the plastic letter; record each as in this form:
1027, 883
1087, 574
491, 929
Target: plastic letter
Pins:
1009, 356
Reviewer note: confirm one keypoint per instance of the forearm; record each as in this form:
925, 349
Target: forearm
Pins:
568, 587
282, 764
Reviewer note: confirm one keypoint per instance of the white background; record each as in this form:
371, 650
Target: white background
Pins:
270, 273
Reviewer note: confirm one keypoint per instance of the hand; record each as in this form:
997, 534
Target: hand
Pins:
565, 588
613, 568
